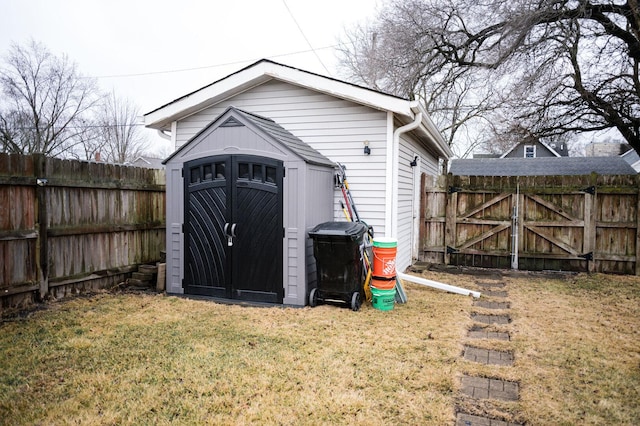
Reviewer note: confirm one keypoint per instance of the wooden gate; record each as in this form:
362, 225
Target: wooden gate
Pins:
570, 223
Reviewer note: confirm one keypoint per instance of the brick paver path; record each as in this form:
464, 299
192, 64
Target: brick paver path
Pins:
491, 284
482, 333
471, 420
491, 319
483, 388
491, 305
486, 356
492, 293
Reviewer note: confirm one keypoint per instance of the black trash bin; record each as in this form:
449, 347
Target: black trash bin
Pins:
337, 247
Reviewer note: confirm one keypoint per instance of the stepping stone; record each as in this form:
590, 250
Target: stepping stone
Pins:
490, 319
492, 293
482, 333
419, 267
487, 356
484, 388
463, 419
489, 284
491, 305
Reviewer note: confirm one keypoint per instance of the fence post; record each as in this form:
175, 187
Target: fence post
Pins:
422, 233
589, 235
515, 227
42, 217
522, 210
450, 224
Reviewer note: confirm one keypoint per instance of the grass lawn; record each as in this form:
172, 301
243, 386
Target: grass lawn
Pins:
153, 359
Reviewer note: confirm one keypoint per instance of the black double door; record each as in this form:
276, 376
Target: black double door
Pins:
233, 228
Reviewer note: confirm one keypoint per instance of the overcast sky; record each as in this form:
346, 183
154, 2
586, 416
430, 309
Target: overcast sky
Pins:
154, 51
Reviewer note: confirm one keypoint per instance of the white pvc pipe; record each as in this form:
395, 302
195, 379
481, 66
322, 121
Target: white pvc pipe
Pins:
438, 285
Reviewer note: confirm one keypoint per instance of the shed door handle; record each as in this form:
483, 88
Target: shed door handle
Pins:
233, 230
226, 229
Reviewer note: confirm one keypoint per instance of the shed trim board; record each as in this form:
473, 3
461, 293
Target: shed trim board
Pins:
335, 119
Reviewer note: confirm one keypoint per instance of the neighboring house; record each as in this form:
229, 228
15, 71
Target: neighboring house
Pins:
607, 149
385, 142
536, 149
147, 162
550, 166
613, 149
536, 158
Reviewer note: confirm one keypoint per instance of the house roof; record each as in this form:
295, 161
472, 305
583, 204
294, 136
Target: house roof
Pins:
542, 166
266, 70
147, 162
265, 126
550, 149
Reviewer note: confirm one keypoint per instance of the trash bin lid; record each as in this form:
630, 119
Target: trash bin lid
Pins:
339, 229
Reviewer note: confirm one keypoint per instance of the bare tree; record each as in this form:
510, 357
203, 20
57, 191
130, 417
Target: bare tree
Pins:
44, 99
393, 55
90, 143
553, 67
119, 130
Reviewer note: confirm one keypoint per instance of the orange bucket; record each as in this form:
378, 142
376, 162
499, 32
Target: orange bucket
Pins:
383, 283
384, 257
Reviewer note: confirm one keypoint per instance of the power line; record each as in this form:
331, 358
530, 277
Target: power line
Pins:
305, 37
142, 74
81, 127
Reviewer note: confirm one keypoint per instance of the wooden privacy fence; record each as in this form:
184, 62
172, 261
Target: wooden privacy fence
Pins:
68, 225
568, 223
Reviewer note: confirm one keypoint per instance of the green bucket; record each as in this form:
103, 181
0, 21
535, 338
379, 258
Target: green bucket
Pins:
383, 299
385, 242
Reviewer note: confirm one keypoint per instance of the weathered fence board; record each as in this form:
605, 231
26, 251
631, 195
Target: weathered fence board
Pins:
68, 225
574, 223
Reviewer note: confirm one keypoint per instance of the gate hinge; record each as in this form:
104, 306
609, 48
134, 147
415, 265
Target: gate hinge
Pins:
182, 228
587, 256
451, 250
590, 190
453, 189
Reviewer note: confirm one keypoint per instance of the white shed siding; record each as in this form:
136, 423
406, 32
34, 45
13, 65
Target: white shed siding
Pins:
408, 184
334, 127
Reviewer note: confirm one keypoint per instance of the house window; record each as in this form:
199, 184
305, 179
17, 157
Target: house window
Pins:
529, 151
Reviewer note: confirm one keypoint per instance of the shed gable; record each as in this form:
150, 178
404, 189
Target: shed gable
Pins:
236, 129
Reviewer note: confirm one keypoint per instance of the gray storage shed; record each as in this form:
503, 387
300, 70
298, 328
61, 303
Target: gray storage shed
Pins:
241, 196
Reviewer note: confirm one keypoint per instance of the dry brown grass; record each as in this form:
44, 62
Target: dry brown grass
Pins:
132, 359
578, 349
146, 359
